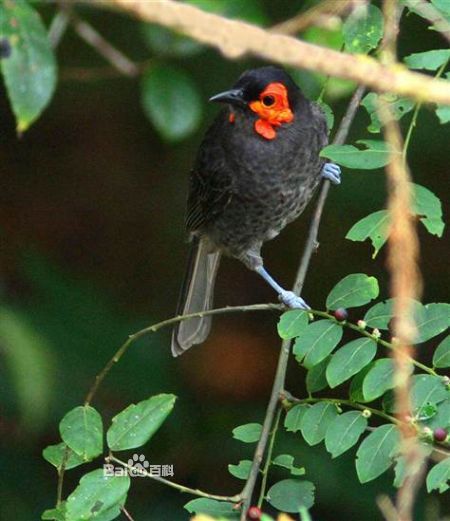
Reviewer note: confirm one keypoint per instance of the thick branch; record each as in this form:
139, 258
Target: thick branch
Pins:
235, 38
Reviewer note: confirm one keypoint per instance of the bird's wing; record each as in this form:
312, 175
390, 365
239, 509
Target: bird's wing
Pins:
210, 187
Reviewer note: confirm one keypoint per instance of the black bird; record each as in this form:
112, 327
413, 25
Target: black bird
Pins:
257, 168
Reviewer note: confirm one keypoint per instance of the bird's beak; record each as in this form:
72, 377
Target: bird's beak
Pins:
233, 96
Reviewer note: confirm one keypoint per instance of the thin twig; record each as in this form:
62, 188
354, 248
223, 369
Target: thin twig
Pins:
338, 401
112, 55
310, 17
172, 484
155, 327
235, 39
57, 28
126, 513
280, 375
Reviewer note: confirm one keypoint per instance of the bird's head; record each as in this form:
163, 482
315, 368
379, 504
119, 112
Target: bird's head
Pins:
268, 94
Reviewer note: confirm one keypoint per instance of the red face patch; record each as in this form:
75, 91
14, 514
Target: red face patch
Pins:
273, 109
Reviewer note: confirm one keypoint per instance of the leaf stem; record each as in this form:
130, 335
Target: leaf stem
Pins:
265, 470
181, 488
339, 401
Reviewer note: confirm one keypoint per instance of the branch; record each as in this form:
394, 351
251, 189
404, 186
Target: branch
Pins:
280, 376
181, 488
235, 39
403, 251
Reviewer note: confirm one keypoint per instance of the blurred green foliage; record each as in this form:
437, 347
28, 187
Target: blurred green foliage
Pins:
91, 224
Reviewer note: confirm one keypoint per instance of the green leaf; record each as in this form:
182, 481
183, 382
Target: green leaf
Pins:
398, 106
30, 71
379, 379
55, 514
443, 113
363, 29
344, 432
380, 315
294, 417
54, 454
427, 389
315, 377
210, 506
326, 109
439, 476
317, 341
96, 494
135, 425
435, 320
241, 470
426, 205
349, 360
374, 227
292, 323
171, 101
248, 433
356, 386
442, 417
353, 291
289, 495
287, 462
316, 421
81, 429
441, 357
27, 357
376, 155
375, 454
164, 42
428, 60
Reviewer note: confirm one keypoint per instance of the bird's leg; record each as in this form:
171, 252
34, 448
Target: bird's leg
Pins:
332, 172
289, 298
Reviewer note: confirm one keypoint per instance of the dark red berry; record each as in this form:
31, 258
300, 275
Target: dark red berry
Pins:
440, 434
341, 314
254, 513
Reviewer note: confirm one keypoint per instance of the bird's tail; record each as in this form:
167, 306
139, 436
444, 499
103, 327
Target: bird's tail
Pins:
196, 295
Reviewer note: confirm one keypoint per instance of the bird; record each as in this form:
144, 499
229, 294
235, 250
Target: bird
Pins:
256, 169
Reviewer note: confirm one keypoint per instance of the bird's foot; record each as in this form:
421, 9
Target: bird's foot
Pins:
332, 172
291, 300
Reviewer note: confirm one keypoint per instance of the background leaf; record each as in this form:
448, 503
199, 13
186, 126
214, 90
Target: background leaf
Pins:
317, 341
30, 71
441, 357
439, 476
54, 454
289, 495
429, 208
205, 505
375, 454
248, 433
316, 421
398, 106
344, 432
293, 420
82, 430
241, 470
428, 60
315, 377
287, 461
363, 29
135, 425
96, 494
374, 227
349, 360
434, 320
171, 101
379, 379
374, 155
292, 323
352, 291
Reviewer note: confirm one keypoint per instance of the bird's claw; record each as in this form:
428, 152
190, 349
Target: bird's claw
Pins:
291, 300
332, 172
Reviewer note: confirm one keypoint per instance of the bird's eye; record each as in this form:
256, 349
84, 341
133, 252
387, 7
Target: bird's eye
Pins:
268, 101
